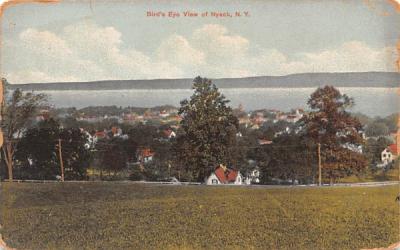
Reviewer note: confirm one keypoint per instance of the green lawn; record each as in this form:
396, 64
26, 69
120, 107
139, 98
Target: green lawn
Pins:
380, 175
114, 215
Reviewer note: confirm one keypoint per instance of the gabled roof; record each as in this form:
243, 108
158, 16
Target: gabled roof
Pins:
146, 152
232, 174
226, 176
114, 130
168, 132
101, 134
264, 142
220, 173
393, 148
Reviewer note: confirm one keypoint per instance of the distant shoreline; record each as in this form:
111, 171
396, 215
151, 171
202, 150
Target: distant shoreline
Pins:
366, 98
224, 88
305, 80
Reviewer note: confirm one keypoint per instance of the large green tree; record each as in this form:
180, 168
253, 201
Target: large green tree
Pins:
18, 110
376, 129
290, 157
337, 131
38, 153
208, 131
114, 157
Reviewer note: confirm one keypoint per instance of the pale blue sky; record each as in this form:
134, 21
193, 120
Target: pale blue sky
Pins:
73, 41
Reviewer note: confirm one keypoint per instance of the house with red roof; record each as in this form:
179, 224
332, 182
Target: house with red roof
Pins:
264, 142
393, 148
100, 134
169, 133
145, 155
224, 175
116, 131
389, 154
164, 114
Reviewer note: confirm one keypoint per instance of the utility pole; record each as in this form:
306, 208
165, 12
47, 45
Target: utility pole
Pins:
319, 165
61, 160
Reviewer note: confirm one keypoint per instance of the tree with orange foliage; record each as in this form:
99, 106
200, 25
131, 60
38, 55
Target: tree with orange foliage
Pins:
337, 131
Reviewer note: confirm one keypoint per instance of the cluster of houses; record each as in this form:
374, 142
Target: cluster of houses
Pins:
143, 155
257, 119
253, 119
222, 174
163, 116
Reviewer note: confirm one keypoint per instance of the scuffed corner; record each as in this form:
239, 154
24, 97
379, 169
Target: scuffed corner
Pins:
395, 4
10, 3
3, 245
373, 6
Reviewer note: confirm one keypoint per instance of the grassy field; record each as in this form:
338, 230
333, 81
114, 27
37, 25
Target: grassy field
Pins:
113, 215
380, 175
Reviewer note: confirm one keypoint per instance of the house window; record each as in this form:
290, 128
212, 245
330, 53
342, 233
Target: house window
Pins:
214, 181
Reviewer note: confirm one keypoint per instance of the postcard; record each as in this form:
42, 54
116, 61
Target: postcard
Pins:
188, 124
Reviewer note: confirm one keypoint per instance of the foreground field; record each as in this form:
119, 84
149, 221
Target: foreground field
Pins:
380, 175
126, 215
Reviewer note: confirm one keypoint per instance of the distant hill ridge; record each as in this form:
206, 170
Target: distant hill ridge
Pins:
351, 79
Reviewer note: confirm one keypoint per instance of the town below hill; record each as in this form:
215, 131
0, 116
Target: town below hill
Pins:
258, 127
259, 146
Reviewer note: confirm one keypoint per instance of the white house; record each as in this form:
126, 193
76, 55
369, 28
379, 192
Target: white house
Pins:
253, 177
90, 140
386, 156
224, 175
169, 133
145, 155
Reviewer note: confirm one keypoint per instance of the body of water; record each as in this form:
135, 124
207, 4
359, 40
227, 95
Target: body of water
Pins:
370, 101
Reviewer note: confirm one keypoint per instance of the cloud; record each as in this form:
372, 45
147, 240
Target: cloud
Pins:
80, 52
179, 52
86, 51
216, 40
44, 41
353, 55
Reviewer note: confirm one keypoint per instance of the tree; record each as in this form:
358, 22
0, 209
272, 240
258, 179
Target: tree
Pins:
114, 157
391, 121
208, 131
376, 129
75, 153
336, 130
38, 154
143, 135
364, 119
290, 157
17, 113
374, 148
